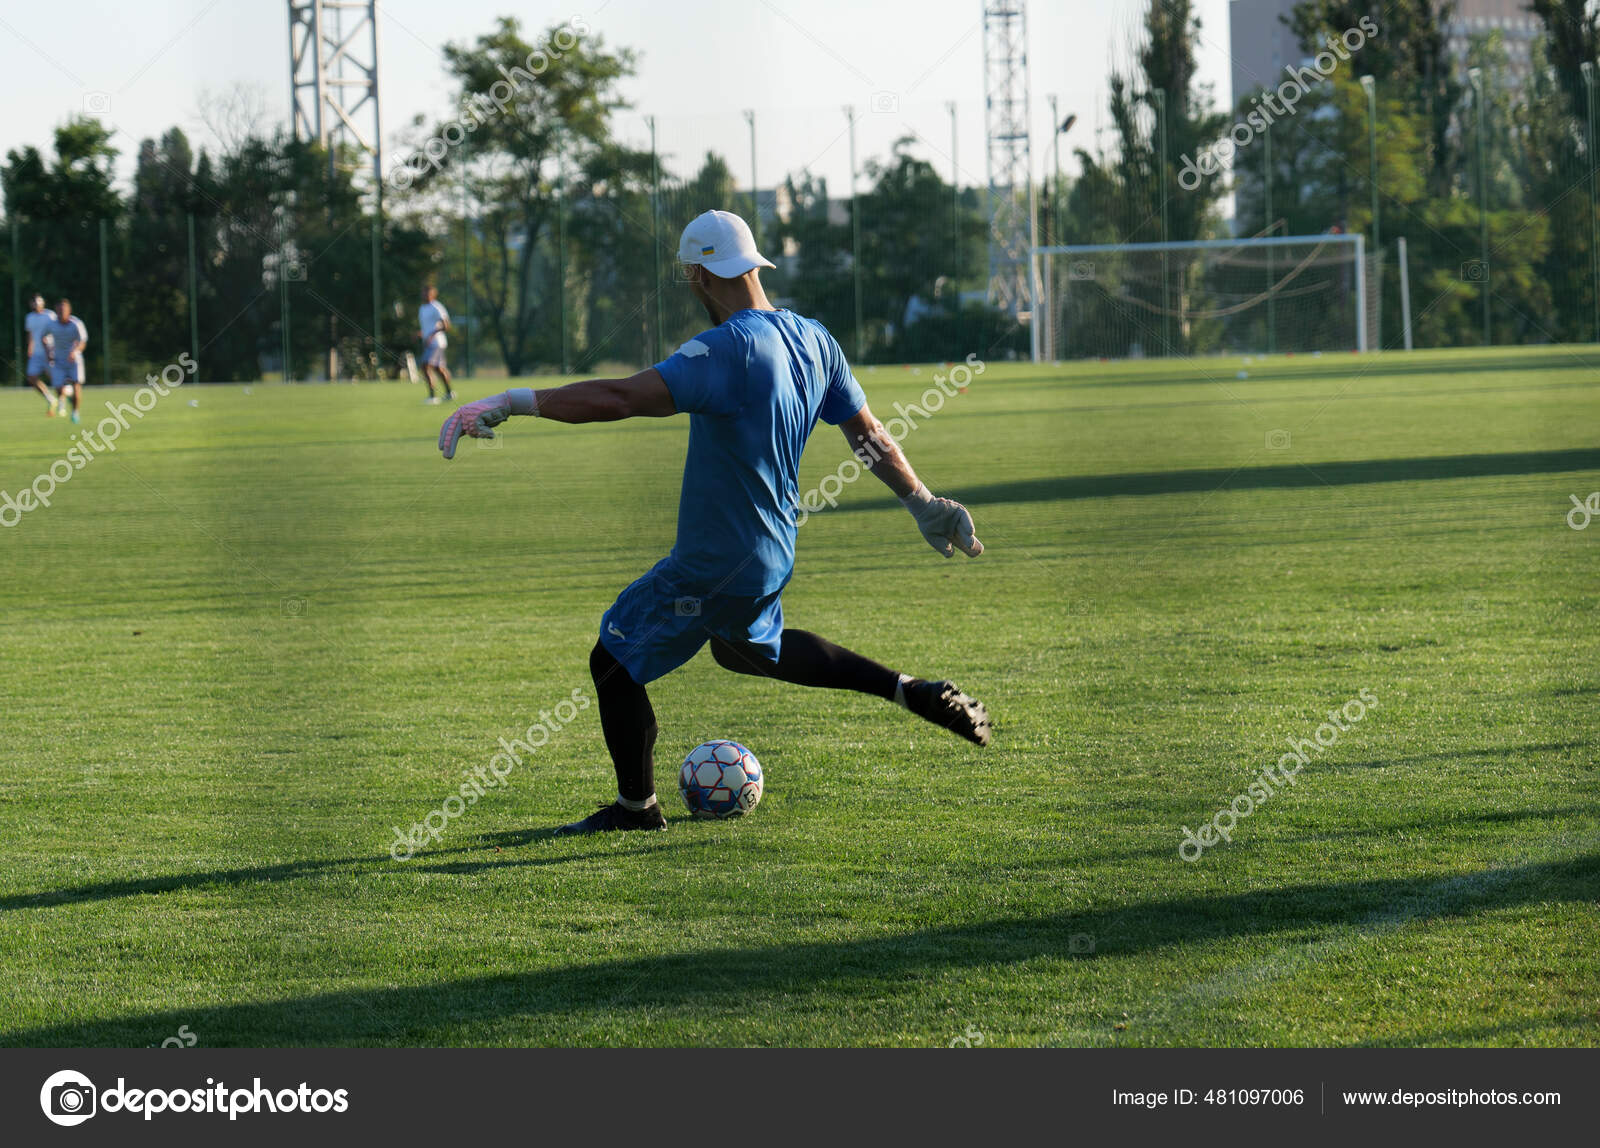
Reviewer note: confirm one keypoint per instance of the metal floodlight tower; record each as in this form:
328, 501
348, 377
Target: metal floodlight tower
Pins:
333, 76
1012, 215
333, 90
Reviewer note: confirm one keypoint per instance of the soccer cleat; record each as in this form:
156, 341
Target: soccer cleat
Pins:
452, 397
615, 816
945, 705
431, 401
75, 417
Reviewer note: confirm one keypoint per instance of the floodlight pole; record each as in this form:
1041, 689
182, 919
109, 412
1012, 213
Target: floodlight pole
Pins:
561, 242
1370, 86
655, 224
466, 265
755, 205
855, 230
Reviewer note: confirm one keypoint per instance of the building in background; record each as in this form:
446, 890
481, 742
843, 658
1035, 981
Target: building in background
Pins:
1261, 45
1509, 17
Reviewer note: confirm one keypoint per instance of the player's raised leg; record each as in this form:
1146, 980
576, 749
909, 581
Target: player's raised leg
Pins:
806, 659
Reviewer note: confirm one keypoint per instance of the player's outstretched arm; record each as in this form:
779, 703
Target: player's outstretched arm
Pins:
592, 401
944, 522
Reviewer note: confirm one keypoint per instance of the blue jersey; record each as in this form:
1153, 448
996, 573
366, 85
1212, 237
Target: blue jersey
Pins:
38, 325
753, 389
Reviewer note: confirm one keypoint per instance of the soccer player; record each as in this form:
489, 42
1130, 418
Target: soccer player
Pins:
37, 324
434, 321
70, 337
753, 386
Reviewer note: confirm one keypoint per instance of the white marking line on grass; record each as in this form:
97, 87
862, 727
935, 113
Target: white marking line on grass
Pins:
1187, 1006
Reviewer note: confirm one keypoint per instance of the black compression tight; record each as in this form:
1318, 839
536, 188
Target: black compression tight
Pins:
629, 721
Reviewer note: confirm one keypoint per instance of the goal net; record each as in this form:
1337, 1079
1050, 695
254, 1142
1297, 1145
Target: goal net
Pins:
1297, 293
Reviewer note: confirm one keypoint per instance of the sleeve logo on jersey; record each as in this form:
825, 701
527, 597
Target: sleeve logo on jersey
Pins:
693, 349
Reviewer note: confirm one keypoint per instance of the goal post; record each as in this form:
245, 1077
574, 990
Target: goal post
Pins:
1282, 293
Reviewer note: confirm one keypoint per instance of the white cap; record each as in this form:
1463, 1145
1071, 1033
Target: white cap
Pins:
721, 243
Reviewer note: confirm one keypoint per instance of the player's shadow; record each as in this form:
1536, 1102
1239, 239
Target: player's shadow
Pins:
1288, 475
1281, 368
427, 1013
428, 860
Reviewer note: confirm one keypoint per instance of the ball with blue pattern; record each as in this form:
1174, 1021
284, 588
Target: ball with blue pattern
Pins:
720, 779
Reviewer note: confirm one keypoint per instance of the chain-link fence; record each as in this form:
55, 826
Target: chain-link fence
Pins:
1477, 199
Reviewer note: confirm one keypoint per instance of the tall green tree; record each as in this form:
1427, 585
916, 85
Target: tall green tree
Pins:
523, 102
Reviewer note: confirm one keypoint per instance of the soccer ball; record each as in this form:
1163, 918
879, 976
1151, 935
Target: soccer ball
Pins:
720, 779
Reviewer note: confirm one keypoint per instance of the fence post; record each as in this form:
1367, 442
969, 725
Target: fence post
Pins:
1405, 291
105, 308
1161, 165
16, 302
377, 282
1594, 206
194, 307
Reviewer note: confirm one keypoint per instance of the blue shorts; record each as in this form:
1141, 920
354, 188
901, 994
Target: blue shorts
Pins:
38, 365
661, 621
432, 355
69, 371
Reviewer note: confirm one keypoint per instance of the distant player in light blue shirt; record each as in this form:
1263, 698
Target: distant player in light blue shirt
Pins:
432, 323
37, 323
753, 386
68, 337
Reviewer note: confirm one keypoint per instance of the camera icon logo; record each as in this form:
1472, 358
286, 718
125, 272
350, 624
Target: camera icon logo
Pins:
68, 1098
1080, 943
294, 271
1080, 269
885, 102
1475, 270
1278, 439
292, 607
96, 103
687, 607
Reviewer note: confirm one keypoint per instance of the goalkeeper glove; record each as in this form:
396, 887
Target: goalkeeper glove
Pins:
945, 523
476, 420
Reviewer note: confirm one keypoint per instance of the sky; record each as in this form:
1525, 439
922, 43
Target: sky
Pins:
146, 65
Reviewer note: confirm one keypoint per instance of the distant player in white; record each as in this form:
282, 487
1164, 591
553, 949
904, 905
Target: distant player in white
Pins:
433, 321
37, 323
70, 337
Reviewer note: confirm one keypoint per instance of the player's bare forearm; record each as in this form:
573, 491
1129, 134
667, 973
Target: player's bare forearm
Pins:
879, 453
607, 400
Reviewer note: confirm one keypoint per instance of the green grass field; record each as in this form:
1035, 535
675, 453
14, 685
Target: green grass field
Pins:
272, 626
